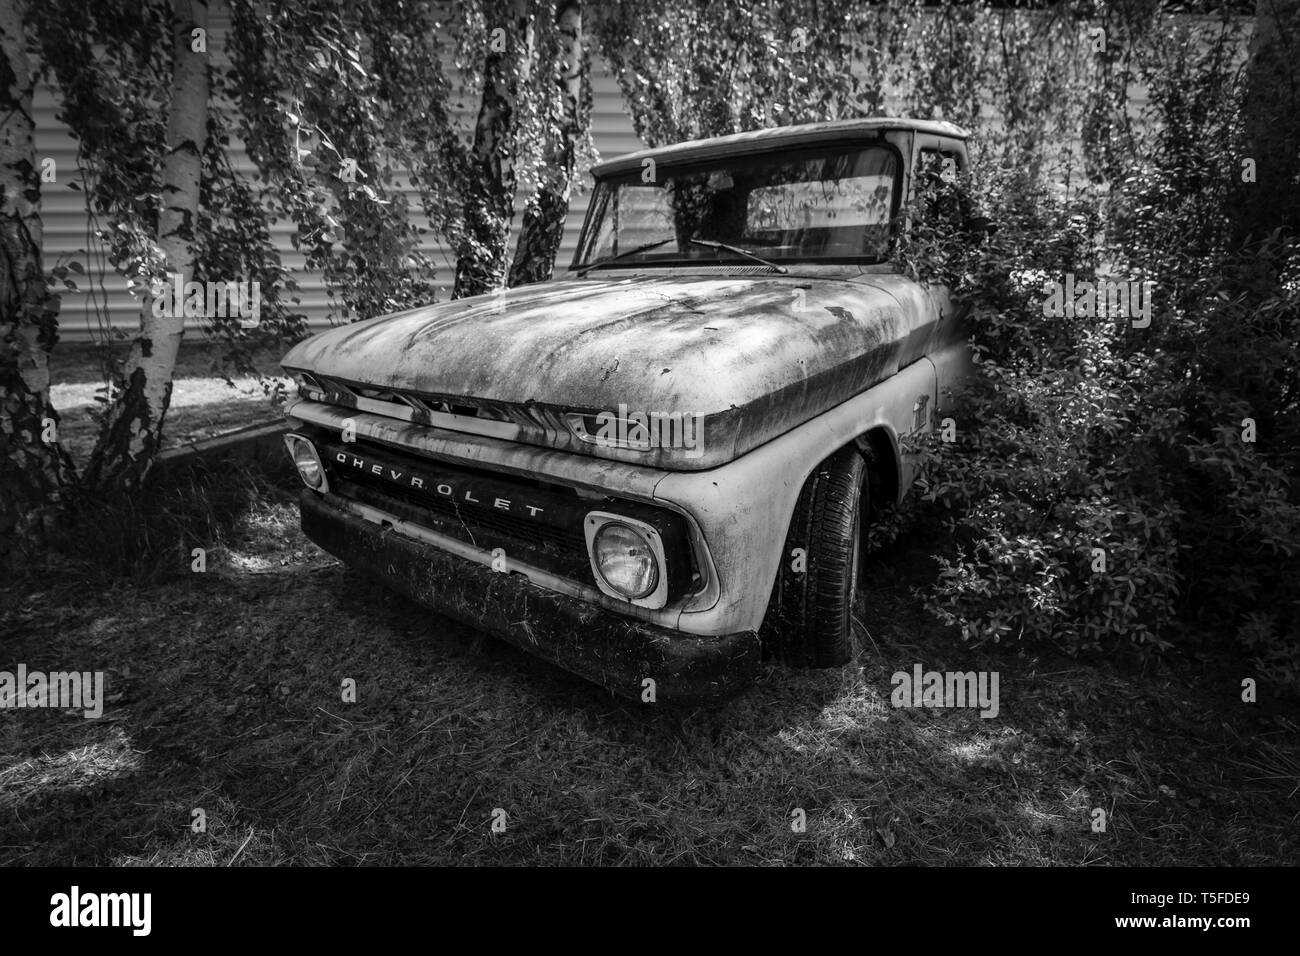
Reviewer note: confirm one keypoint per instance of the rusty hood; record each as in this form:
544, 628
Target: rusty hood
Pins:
750, 356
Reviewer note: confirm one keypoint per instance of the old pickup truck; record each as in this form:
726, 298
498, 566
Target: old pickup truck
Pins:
656, 470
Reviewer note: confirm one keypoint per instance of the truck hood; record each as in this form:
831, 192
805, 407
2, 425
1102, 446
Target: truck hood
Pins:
750, 356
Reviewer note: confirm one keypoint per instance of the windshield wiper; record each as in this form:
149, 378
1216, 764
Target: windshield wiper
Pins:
740, 252
644, 247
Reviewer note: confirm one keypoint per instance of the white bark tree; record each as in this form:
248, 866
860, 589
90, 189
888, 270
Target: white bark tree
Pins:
490, 189
548, 207
132, 431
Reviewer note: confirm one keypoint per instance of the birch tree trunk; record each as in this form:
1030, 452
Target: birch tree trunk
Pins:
490, 199
132, 432
34, 468
548, 208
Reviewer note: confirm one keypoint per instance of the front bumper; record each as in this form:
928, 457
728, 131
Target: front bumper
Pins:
617, 652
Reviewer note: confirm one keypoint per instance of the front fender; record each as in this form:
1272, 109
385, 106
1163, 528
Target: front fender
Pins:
743, 509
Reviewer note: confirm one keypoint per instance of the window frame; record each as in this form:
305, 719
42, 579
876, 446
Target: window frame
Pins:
604, 187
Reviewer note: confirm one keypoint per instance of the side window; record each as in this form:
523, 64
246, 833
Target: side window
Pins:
940, 164
939, 192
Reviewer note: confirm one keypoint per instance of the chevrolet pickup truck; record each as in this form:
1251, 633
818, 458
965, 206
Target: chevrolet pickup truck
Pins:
656, 470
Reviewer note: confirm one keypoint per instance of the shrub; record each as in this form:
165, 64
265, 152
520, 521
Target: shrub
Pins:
1104, 486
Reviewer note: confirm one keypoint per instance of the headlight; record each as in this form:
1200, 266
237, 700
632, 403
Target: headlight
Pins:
308, 463
625, 560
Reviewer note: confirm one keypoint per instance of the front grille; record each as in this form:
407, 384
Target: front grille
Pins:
541, 525
551, 550
403, 402
533, 521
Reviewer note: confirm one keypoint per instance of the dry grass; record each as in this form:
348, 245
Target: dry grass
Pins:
225, 696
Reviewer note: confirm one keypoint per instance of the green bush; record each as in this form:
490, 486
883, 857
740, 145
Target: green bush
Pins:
1055, 534
1100, 490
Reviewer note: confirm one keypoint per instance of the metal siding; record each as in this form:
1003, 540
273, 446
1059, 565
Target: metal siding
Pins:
102, 297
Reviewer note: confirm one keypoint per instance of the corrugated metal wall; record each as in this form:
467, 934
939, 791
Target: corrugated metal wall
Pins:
102, 298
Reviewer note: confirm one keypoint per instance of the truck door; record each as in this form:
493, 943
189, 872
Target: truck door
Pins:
939, 164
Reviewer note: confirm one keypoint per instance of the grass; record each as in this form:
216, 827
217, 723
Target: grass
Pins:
224, 695
203, 402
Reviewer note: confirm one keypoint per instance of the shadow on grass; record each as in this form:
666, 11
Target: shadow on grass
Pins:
225, 694
166, 531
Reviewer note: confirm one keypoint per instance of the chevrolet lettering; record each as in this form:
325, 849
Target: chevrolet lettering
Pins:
424, 482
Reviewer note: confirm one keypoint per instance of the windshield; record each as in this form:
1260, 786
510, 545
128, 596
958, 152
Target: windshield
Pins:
830, 203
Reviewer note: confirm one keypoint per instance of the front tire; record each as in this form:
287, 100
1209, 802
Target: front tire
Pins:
809, 620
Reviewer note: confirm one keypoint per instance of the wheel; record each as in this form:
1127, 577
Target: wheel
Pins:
809, 618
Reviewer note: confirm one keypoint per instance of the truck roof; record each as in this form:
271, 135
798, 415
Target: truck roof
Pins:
780, 136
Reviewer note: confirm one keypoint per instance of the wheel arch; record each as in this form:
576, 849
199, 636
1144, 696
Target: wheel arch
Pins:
884, 464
